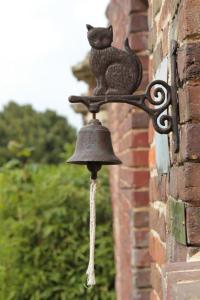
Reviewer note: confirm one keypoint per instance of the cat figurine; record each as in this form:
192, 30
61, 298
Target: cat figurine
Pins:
117, 72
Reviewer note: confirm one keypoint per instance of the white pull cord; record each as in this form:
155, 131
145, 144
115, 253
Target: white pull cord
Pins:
90, 270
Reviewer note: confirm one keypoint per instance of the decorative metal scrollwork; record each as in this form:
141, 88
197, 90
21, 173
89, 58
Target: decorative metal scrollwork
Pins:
158, 94
155, 102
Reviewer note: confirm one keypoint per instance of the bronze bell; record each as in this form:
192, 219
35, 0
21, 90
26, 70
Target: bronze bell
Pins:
94, 148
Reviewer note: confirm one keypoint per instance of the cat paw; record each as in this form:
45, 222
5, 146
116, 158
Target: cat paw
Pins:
99, 91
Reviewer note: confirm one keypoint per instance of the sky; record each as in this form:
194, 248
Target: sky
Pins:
40, 41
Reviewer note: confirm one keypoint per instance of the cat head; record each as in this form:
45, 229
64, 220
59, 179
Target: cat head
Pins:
100, 38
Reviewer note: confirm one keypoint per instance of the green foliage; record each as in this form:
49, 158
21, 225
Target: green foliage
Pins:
27, 133
44, 242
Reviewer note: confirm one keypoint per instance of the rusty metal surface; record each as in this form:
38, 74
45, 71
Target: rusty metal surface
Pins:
174, 97
155, 102
94, 148
117, 72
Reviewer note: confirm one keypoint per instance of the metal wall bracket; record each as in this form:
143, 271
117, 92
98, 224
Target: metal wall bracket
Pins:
156, 101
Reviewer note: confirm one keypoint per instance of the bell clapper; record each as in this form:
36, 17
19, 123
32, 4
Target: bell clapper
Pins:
94, 116
94, 168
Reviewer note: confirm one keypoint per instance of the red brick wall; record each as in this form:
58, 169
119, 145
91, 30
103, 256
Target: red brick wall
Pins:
177, 20
129, 182
135, 143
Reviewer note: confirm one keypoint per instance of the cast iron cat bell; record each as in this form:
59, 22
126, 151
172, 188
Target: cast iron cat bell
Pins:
94, 148
118, 75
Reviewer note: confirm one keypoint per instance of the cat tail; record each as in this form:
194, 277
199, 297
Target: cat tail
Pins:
136, 62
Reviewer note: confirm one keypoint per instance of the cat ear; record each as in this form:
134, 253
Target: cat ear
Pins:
89, 27
110, 28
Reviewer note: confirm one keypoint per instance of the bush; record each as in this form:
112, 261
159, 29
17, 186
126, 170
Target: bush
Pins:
44, 240
41, 135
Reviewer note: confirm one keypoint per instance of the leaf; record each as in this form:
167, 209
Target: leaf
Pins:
44, 235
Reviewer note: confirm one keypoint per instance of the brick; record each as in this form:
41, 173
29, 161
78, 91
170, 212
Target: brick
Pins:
189, 106
140, 139
136, 178
138, 41
141, 278
155, 193
188, 182
143, 84
151, 133
140, 238
150, 15
129, 185
141, 218
164, 187
137, 23
154, 295
142, 294
126, 109
165, 40
117, 14
152, 157
183, 280
138, 5
138, 198
157, 57
190, 142
122, 111
189, 61
189, 20
164, 13
125, 5
135, 121
145, 62
157, 249
159, 188
135, 139
156, 6
156, 280
122, 219
190, 194
158, 222
193, 252
173, 183
141, 258
193, 225
150, 69
152, 37
134, 158
120, 130
173, 7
